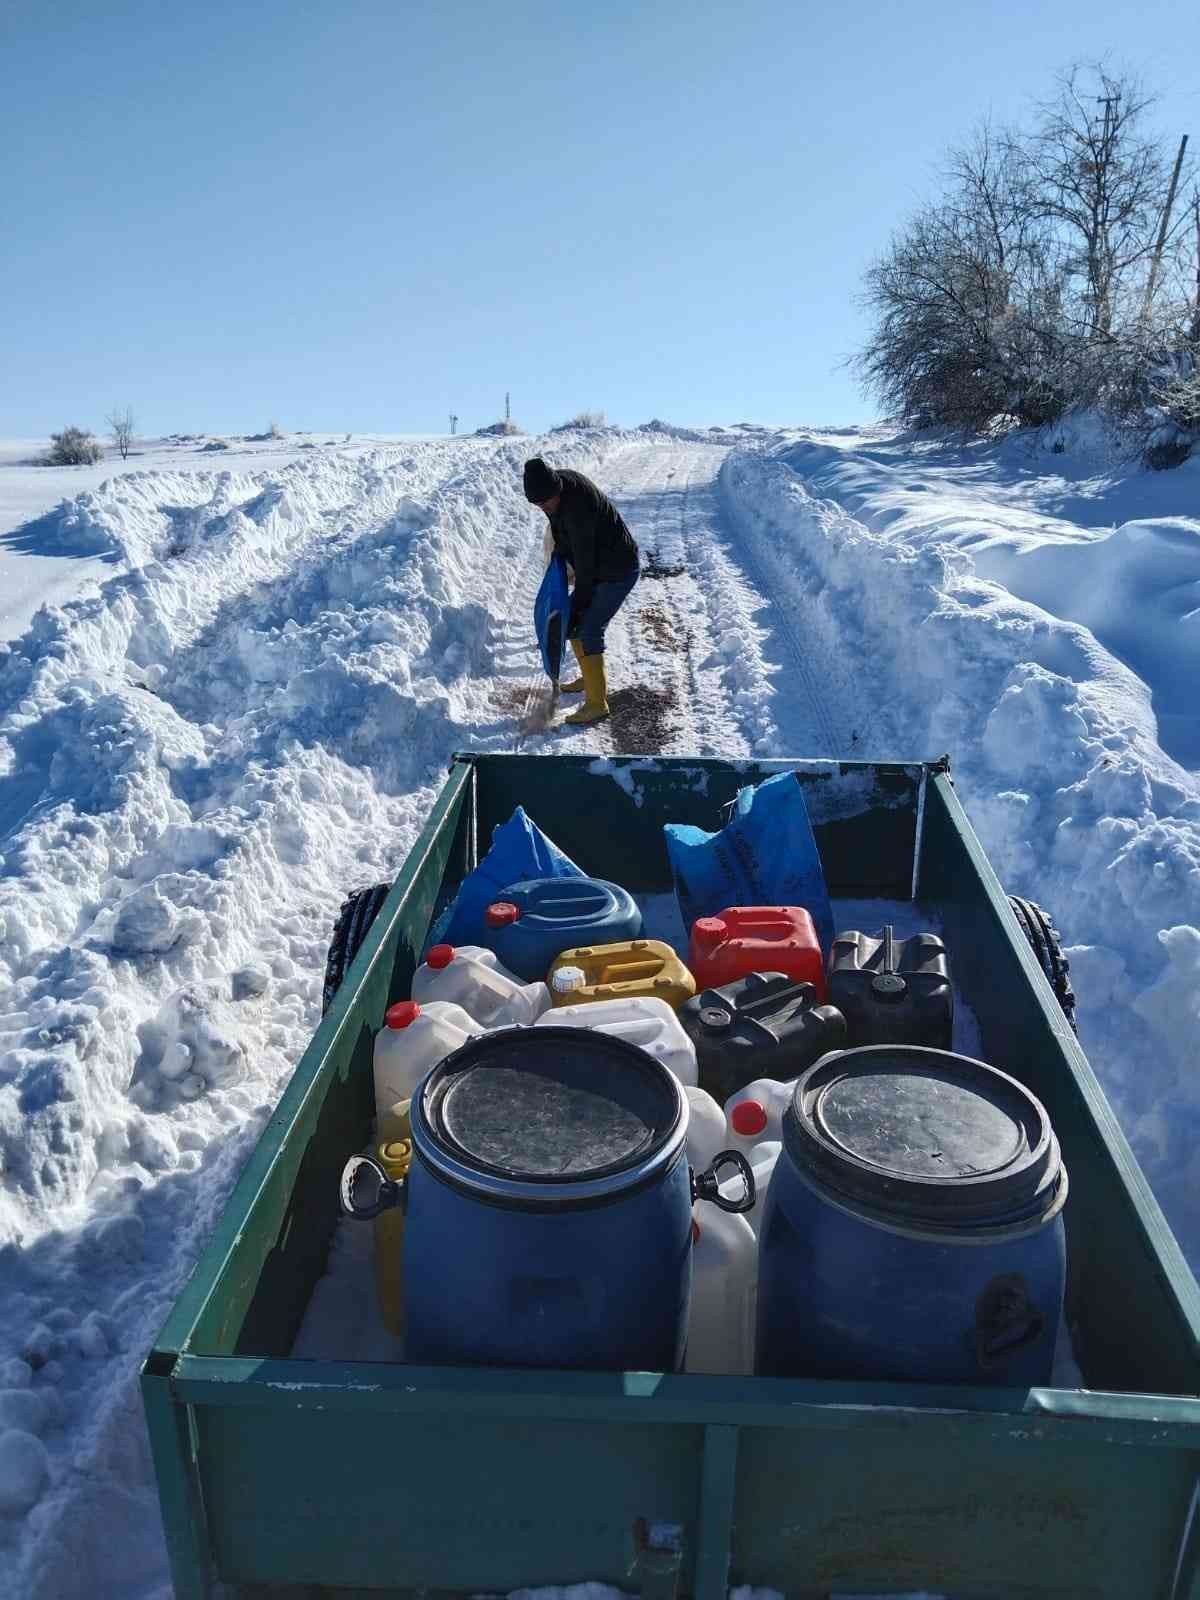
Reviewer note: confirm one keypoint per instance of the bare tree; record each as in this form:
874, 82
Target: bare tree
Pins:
1104, 184
121, 426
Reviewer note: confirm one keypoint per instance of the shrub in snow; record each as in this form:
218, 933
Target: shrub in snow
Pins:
582, 419
216, 444
24, 1471
73, 447
498, 429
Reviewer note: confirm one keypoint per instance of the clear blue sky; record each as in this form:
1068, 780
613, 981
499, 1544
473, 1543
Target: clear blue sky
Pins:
364, 215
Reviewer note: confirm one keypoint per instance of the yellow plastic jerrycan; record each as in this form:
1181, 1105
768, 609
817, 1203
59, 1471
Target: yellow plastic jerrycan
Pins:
395, 1157
633, 969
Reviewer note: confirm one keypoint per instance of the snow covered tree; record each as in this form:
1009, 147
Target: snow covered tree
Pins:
73, 447
965, 300
1046, 276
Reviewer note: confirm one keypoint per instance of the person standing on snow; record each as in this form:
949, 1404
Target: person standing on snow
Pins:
590, 533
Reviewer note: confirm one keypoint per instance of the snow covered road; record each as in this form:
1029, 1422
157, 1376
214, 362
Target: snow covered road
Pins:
248, 713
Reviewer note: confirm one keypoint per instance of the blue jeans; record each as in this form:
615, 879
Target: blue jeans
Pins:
607, 599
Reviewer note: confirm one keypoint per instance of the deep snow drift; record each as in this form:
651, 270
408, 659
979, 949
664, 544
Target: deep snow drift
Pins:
248, 709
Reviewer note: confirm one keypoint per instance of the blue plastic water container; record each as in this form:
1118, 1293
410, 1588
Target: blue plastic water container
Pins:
535, 921
550, 1206
913, 1227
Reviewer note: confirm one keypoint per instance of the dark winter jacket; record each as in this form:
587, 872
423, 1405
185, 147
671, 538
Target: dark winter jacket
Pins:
591, 533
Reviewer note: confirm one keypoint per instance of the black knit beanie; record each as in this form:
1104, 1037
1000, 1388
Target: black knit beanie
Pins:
541, 481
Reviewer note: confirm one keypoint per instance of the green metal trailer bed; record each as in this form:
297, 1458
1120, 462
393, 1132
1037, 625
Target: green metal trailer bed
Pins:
305, 1478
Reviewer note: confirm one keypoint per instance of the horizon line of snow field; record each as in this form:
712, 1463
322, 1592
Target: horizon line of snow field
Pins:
249, 712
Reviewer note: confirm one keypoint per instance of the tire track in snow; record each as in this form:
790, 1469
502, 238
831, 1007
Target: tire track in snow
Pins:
808, 697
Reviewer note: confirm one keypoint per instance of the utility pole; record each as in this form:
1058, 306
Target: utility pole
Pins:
1108, 101
1160, 246
1099, 266
453, 423
507, 408
1196, 312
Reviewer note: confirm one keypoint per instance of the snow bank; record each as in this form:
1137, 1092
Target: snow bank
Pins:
1054, 746
1104, 547
197, 761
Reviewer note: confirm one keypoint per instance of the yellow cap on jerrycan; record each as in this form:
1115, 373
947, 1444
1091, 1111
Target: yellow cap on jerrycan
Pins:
634, 969
395, 1157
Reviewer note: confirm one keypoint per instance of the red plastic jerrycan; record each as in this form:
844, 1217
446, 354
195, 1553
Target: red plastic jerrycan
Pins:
746, 939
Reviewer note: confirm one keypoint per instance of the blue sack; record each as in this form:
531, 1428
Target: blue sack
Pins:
550, 613
765, 856
520, 850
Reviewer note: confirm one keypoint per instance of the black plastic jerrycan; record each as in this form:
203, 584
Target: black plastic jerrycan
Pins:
893, 991
765, 1025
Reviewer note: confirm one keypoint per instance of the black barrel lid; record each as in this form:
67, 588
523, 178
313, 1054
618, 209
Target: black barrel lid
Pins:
549, 1106
923, 1135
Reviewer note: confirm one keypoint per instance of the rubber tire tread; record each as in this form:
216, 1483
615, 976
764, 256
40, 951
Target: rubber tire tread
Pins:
351, 928
1044, 941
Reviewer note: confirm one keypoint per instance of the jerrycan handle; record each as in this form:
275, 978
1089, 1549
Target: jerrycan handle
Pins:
387, 1192
707, 1185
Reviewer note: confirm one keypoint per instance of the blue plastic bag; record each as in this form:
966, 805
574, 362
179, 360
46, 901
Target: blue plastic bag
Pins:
519, 850
765, 856
550, 612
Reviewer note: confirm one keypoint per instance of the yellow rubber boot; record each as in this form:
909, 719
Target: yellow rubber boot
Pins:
576, 684
595, 707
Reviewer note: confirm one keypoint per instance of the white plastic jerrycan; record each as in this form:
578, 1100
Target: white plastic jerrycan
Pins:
706, 1135
755, 1113
762, 1161
413, 1039
724, 1277
469, 976
648, 1023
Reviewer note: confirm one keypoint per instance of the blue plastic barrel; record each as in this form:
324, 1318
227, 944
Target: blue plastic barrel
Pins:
549, 1206
535, 921
913, 1227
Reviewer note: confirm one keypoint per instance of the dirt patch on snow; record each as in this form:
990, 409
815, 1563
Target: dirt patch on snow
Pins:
533, 705
642, 719
653, 568
661, 630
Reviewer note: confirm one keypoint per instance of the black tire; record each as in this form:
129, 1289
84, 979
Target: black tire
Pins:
1046, 945
351, 928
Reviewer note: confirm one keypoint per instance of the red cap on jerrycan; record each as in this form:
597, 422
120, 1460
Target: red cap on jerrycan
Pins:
402, 1015
748, 1117
501, 914
708, 932
440, 956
